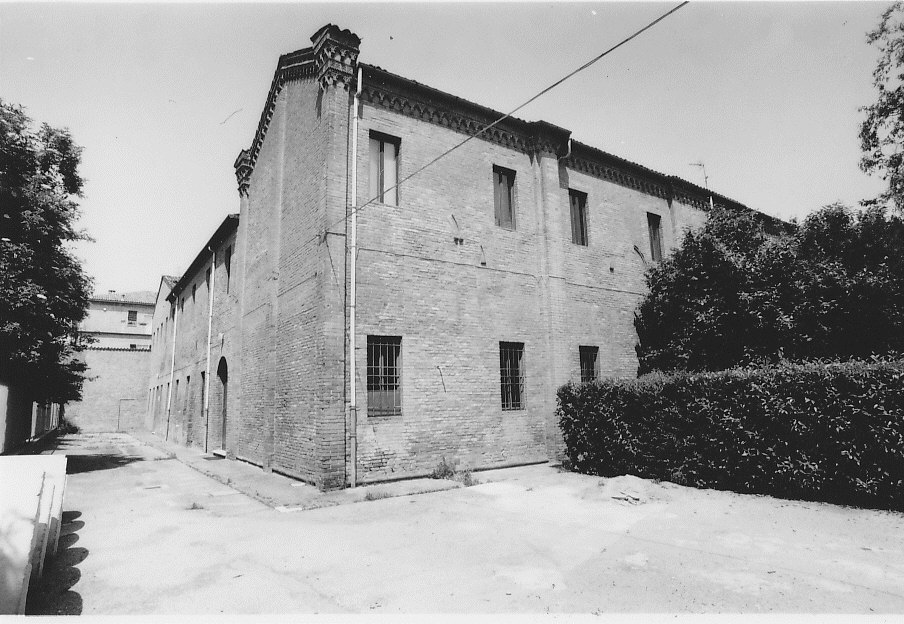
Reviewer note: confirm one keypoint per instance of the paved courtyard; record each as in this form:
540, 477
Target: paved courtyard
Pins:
145, 533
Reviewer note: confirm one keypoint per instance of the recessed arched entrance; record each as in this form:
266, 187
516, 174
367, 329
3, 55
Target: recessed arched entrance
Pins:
223, 376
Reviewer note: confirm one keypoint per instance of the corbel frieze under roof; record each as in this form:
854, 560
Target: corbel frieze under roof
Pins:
613, 169
333, 59
413, 99
299, 64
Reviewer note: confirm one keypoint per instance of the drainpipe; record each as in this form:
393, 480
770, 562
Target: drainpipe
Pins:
213, 278
169, 393
565, 157
353, 402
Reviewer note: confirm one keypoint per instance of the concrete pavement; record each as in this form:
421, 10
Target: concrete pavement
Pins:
145, 534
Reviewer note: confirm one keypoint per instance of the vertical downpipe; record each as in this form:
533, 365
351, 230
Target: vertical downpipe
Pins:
353, 400
213, 281
169, 392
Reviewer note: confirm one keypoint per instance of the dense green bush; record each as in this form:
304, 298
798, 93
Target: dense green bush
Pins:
733, 294
815, 431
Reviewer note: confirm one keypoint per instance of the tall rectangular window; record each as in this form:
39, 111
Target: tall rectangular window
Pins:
654, 225
384, 367
227, 260
511, 369
133, 317
384, 168
589, 367
503, 197
578, 201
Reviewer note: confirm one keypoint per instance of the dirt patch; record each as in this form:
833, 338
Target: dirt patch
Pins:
630, 490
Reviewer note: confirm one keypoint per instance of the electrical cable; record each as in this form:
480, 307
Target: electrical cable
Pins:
513, 111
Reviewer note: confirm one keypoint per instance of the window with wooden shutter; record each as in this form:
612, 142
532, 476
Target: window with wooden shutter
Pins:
384, 168
503, 197
578, 201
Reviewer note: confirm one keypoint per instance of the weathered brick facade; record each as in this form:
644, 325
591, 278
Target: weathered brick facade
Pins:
176, 408
435, 270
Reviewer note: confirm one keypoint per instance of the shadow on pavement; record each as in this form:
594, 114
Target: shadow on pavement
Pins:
98, 461
52, 594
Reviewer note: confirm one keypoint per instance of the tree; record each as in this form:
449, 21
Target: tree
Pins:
43, 289
734, 294
851, 283
721, 298
882, 132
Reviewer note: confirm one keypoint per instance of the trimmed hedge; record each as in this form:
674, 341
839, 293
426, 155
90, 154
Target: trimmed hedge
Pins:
816, 431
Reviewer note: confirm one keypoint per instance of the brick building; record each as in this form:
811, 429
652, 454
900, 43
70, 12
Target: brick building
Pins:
478, 286
117, 359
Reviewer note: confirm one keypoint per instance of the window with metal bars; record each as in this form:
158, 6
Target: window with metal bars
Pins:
578, 201
132, 317
511, 369
589, 357
504, 197
384, 368
384, 168
654, 225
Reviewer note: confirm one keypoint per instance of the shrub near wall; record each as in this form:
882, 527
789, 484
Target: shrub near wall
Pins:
826, 432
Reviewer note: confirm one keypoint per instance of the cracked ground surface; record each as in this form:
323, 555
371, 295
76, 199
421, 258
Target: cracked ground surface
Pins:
145, 534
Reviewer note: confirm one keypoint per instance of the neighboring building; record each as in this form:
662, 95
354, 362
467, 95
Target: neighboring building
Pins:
176, 392
509, 267
119, 320
117, 358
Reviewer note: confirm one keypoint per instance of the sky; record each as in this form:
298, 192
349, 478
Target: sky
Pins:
162, 97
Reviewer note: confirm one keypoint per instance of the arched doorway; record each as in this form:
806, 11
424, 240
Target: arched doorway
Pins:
223, 376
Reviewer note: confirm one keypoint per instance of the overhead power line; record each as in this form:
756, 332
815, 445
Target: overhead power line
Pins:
515, 110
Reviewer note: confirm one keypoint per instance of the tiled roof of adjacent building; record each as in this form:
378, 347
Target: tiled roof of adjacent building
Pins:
141, 297
170, 280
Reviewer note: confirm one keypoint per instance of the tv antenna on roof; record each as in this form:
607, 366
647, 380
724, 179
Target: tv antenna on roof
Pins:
705, 180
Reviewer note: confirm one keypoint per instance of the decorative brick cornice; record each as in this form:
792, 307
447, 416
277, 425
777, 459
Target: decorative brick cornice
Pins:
605, 166
548, 138
333, 60
413, 99
336, 56
292, 66
243, 169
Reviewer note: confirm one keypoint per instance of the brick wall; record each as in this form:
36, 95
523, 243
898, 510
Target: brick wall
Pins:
536, 287
178, 413
282, 330
114, 396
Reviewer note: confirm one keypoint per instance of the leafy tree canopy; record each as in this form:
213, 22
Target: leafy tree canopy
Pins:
882, 132
734, 294
43, 289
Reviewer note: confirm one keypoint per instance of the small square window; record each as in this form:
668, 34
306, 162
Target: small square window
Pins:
384, 367
133, 346
384, 168
589, 363
578, 201
504, 197
654, 225
133, 317
511, 369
